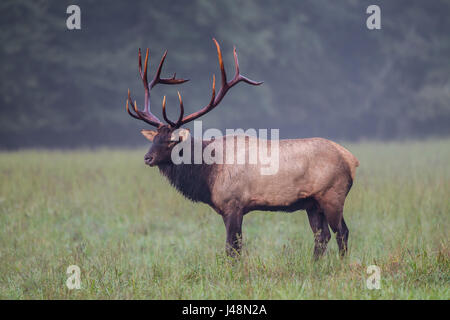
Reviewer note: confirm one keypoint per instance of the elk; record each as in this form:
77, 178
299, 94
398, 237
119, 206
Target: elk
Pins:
314, 174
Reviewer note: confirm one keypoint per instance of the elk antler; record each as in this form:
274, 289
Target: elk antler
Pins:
215, 100
146, 115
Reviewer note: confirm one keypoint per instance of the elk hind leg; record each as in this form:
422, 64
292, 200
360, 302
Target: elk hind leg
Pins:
320, 229
334, 215
342, 238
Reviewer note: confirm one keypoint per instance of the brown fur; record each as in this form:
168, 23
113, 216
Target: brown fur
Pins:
314, 175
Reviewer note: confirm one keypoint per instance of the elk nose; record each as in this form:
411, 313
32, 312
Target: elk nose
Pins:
148, 159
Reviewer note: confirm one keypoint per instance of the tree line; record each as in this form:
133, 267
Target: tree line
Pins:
325, 74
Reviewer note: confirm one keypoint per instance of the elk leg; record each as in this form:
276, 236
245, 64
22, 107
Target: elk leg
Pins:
233, 224
342, 237
333, 214
320, 229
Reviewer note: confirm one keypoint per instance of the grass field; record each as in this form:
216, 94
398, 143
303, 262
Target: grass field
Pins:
134, 237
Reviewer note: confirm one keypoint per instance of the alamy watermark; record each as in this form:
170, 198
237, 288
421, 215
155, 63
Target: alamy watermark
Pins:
236, 147
373, 281
373, 22
73, 22
74, 280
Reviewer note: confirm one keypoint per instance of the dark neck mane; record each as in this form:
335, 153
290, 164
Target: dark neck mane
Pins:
192, 180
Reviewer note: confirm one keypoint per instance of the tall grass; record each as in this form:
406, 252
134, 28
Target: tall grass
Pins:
135, 237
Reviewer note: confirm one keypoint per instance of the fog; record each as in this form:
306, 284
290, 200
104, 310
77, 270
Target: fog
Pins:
325, 73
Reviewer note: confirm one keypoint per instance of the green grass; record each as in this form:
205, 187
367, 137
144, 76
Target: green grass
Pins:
134, 237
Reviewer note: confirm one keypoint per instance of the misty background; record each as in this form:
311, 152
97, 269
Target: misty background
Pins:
325, 74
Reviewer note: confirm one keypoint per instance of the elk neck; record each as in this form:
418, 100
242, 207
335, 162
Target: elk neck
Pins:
194, 181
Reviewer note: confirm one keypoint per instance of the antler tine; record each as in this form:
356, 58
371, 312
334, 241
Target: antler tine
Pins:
129, 100
213, 96
237, 76
157, 79
222, 68
164, 113
236, 62
180, 117
129, 112
144, 80
143, 75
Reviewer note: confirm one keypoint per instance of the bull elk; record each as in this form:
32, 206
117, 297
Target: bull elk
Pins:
314, 174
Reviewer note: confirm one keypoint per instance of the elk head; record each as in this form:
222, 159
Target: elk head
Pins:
165, 138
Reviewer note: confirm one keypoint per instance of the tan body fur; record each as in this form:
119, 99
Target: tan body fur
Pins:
314, 174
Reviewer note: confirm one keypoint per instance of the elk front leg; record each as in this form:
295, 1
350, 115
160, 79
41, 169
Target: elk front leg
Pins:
233, 224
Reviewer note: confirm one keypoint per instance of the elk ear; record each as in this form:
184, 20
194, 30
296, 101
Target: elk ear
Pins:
149, 134
180, 135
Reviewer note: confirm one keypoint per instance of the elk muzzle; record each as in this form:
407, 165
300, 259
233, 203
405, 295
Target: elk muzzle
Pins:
149, 160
